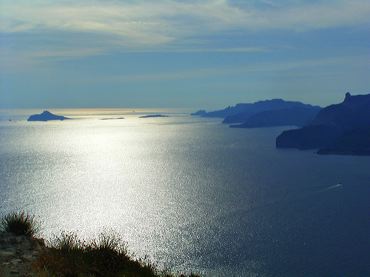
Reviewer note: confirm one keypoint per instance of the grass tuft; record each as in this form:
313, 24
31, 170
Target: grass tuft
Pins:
20, 224
106, 256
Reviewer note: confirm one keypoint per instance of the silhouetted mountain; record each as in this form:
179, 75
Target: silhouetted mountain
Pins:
342, 128
240, 113
298, 116
46, 116
353, 112
267, 105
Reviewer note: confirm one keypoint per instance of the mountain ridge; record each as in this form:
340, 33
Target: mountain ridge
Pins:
265, 113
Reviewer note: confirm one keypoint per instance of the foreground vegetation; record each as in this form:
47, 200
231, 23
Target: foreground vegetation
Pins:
20, 224
67, 255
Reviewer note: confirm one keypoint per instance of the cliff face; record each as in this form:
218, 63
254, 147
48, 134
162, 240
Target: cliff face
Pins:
337, 129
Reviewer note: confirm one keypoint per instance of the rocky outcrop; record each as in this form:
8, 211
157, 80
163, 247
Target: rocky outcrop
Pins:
17, 253
352, 113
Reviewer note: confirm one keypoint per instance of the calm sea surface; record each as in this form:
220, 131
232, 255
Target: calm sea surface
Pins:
190, 193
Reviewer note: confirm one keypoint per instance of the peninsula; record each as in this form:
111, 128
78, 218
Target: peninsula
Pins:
266, 113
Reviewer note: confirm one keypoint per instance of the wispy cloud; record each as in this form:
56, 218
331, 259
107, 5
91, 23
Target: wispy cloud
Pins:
36, 32
150, 23
291, 67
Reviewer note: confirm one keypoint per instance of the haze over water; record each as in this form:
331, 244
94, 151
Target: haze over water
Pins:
190, 192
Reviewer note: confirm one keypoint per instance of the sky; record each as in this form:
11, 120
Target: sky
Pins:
181, 54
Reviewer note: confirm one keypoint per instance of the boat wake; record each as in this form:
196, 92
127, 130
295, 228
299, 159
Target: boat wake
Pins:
332, 187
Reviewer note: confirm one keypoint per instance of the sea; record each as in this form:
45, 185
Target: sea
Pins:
187, 193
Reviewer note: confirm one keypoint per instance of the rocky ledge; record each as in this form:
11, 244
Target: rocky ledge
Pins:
17, 253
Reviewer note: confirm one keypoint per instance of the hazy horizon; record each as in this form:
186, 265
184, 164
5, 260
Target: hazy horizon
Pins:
337, 100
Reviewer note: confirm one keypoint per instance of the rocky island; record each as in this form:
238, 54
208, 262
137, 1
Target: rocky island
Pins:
153, 115
342, 129
46, 116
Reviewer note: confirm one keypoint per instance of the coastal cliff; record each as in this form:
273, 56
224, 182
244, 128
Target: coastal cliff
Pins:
342, 128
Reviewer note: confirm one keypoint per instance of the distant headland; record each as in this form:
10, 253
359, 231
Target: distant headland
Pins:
342, 129
46, 116
267, 113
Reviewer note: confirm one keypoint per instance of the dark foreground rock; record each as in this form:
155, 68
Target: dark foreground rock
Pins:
46, 116
17, 253
199, 113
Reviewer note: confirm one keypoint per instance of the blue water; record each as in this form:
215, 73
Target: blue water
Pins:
190, 193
